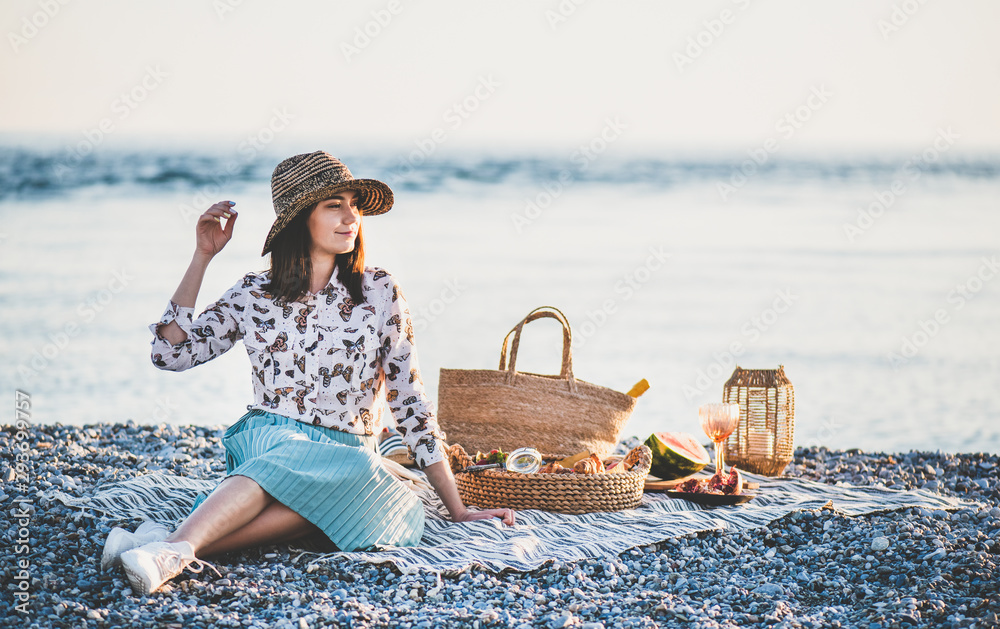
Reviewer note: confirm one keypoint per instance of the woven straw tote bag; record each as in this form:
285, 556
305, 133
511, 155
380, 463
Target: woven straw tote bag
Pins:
483, 409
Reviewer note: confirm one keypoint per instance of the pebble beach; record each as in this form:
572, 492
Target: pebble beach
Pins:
908, 568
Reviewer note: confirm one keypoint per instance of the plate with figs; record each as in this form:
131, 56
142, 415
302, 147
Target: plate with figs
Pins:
721, 489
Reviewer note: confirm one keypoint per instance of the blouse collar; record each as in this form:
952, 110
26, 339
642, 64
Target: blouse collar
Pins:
333, 285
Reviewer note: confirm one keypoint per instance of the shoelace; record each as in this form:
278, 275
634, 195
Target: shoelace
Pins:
174, 562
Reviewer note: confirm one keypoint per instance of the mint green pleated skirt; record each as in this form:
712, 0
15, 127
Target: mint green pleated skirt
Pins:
332, 478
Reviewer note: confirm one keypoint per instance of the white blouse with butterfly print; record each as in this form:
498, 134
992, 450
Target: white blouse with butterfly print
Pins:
326, 361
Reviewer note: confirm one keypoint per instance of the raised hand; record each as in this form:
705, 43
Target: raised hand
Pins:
211, 236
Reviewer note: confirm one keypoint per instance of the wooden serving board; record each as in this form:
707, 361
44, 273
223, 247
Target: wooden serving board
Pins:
669, 485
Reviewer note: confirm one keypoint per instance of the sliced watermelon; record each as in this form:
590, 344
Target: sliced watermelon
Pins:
676, 455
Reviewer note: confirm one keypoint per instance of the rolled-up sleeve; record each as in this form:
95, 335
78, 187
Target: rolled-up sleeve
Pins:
210, 335
414, 413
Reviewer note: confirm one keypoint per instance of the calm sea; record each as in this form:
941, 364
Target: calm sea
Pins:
875, 282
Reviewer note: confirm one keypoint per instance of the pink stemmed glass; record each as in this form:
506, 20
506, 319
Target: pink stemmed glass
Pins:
719, 421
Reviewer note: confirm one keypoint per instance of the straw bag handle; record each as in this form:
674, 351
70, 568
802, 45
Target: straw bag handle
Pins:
542, 312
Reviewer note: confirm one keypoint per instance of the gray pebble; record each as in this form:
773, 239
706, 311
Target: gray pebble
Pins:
769, 589
564, 620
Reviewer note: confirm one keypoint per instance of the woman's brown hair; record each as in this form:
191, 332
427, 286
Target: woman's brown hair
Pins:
291, 265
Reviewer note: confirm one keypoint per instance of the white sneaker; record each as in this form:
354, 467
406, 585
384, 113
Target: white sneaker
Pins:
150, 566
119, 540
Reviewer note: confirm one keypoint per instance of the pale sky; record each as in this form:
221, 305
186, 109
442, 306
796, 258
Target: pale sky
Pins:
852, 75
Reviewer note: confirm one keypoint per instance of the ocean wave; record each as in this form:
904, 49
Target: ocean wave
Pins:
25, 172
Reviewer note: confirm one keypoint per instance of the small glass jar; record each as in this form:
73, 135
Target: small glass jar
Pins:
524, 461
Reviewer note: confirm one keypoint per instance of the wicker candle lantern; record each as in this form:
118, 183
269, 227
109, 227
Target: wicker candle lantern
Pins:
762, 443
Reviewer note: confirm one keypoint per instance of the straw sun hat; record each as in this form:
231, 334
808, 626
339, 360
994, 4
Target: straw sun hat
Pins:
304, 180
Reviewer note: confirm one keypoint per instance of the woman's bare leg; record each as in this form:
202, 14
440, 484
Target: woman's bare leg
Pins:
234, 503
275, 524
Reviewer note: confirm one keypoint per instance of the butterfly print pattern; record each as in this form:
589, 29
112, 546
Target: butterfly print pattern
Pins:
326, 360
204, 332
218, 316
354, 348
394, 320
383, 350
315, 344
264, 325
346, 309
301, 394
268, 402
301, 321
366, 419
393, 371
300, 362
338, 370
232, 336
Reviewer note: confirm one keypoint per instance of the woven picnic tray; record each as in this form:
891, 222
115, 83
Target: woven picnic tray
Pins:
561, 493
